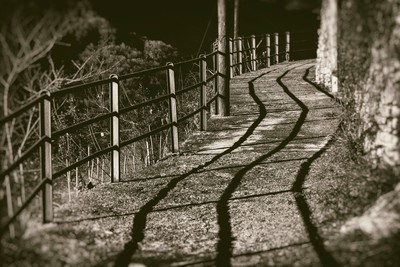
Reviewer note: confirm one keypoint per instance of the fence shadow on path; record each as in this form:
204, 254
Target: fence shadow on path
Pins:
225, 234
224, 246
324, 256
140, 219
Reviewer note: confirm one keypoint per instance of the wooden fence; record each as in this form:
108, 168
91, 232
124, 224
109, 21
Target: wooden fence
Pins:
247, 54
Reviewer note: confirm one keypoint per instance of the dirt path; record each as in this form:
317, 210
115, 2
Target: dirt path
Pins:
233, 197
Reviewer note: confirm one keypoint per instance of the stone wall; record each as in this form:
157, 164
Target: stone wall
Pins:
368, 58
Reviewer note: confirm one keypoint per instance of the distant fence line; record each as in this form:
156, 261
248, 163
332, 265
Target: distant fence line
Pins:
261, 51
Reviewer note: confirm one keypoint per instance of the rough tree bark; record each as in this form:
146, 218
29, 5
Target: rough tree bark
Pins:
327, 44
369, 73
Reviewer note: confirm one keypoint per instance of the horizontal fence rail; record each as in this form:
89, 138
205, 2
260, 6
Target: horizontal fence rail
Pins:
193, 80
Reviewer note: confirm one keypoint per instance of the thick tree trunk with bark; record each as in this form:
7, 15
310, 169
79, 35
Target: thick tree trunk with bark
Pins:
368, 56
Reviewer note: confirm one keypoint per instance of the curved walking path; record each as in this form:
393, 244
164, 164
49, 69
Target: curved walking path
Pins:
234, 196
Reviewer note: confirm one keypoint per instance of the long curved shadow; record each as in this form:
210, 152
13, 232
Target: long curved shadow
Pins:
140, 219
324, 256
224, 246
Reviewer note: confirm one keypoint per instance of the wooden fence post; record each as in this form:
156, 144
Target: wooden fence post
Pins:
88, 164
216, 69
287, 47
203, 93
224, 80
76, 179
268, 49
45, 158
114, 104
276, 48
68, 181
231, 57
172, 107
102, 170
10, 209
223, 60
253, 53
240, 55
97, 168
